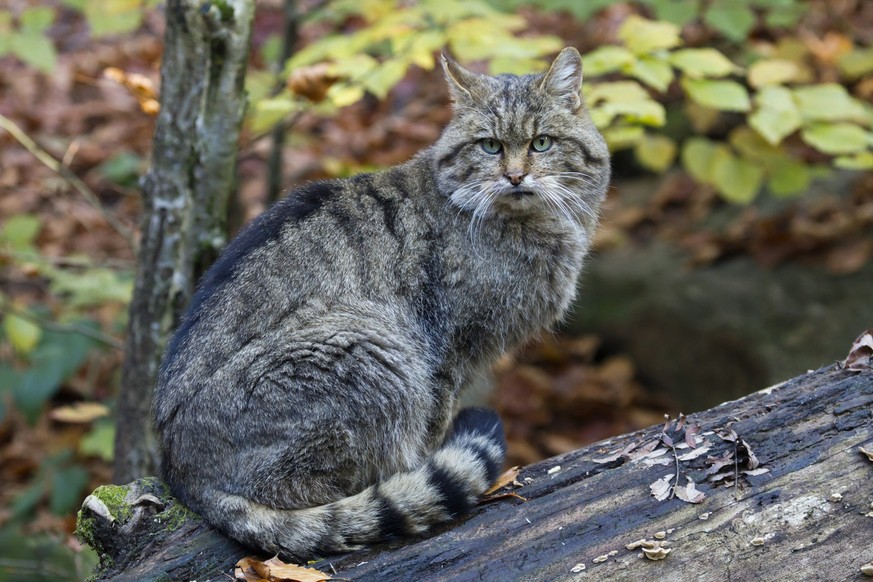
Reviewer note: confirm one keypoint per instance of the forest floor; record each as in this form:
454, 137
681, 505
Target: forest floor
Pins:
555, 395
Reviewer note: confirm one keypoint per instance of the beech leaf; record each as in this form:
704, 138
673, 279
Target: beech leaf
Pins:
702, 62
644, 36
661, 488
718, 94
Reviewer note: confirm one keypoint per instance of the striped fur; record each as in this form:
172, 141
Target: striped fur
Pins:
309, 402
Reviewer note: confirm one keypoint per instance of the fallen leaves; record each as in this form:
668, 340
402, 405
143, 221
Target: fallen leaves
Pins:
860, 356
251, 569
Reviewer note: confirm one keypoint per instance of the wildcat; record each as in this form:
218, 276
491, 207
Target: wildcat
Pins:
308, 402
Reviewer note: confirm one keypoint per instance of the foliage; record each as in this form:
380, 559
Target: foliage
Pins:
773, 106
396, 36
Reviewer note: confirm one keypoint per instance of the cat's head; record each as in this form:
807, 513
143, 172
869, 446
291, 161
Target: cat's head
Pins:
522, 144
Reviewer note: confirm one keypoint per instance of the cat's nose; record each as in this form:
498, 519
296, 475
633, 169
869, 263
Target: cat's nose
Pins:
515, 177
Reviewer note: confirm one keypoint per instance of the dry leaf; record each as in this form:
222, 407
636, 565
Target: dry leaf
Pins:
507, 478
140, 86
80, 412
689, 493
312, 82
694, 453
250, 569
661, 488
616, 454
860, 356
759, 471
866, 452
752, 463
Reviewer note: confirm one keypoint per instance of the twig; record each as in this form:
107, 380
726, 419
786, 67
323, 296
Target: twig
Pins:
88, 332
65, 173
289, 39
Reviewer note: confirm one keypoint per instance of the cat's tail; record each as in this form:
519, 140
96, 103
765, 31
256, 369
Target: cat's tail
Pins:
443, 488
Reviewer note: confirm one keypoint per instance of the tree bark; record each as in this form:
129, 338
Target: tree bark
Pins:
185, 197
809, 516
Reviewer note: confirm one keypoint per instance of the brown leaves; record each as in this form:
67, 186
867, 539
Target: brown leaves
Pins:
251, 569
561, 396
860, 356
312, 82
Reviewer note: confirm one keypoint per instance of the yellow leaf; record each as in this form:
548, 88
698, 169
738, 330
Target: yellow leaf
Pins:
22, 333
344, 95
622, 137
645, 36
772, 72
656, 152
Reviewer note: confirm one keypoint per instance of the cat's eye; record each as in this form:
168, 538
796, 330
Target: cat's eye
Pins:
491, 146
541, 143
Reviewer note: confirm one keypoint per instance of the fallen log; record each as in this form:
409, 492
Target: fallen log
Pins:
781, 490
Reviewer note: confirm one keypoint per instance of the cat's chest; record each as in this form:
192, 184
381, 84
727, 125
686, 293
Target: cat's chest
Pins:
515, 281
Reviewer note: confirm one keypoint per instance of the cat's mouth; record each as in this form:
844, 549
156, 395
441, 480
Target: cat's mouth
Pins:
519, 194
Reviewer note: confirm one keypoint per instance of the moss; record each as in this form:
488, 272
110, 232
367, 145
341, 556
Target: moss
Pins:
113, 497
224, 9
175, 516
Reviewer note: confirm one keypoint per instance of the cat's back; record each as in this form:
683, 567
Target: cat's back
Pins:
327, 244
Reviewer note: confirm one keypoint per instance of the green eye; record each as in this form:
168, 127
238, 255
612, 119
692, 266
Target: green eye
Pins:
491, 146
541, 143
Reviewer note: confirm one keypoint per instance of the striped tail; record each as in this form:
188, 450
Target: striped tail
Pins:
443, 488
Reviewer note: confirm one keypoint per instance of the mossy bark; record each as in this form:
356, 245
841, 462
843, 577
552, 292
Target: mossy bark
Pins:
185, 197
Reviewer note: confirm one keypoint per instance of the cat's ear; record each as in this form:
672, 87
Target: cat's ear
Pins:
464, 86
564, 79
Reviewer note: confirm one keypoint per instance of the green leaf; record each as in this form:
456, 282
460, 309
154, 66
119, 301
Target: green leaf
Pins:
68, 485
772, 72
655, 152
737, 180
622, 136
699, 63
343, 95
860, 161
19, 232
380, 81
100, 441
721, 95
679, 12
36, 19
643, 36
835, 138
829, 102
752, 146
56, 358
652, 71
857, 63
615, 92
777, 115
606, 59
22, 333
698, 155
108, 17
733, 19
788, 177
122, 168
34, 49
646, 112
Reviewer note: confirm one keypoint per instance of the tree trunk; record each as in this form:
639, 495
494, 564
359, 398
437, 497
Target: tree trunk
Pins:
809, 516
185, 196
